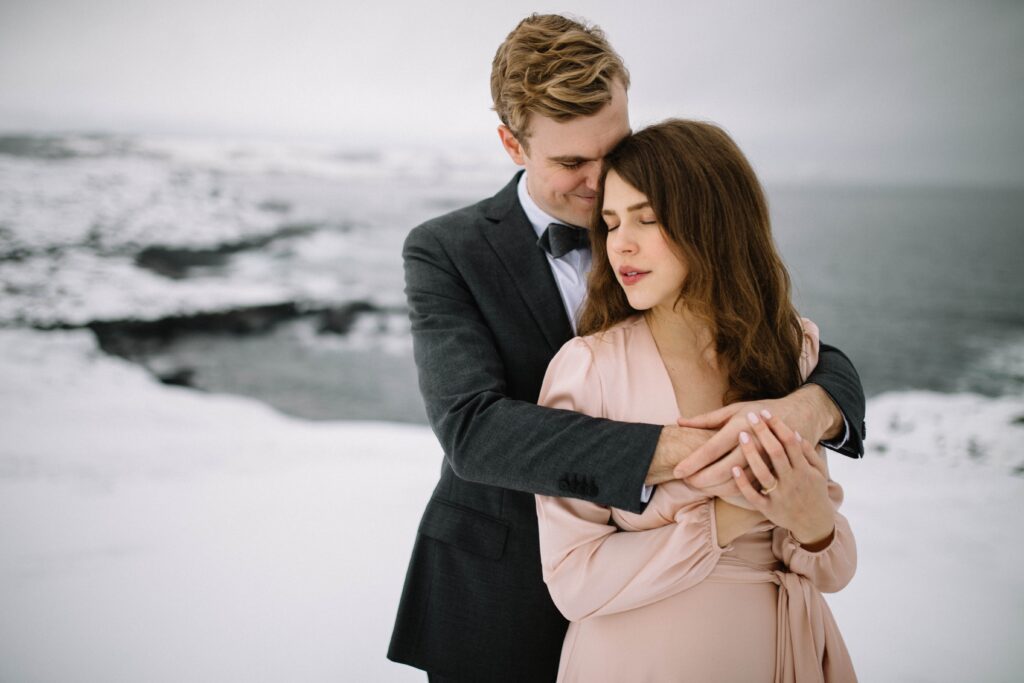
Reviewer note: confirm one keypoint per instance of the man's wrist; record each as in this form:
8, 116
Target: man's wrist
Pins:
674, 445
662, 463
822, 411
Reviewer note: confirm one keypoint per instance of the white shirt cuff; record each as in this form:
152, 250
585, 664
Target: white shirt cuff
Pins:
836, 444
645, 494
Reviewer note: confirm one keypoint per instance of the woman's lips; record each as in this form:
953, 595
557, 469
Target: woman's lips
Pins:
629, 275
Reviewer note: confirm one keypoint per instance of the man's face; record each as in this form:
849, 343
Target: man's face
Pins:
564, 158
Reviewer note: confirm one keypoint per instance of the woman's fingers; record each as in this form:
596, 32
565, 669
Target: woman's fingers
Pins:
775, 450
757, 500
787, 437
757, 463
811, 455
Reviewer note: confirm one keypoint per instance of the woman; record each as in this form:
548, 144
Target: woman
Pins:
689, 309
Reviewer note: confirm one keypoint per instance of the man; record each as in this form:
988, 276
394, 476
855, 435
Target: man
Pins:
492, 293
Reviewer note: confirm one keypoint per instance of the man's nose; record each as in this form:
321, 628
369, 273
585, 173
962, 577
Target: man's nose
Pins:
592, 173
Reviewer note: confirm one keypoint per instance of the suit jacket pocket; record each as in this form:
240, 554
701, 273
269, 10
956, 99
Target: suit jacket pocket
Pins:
464, 528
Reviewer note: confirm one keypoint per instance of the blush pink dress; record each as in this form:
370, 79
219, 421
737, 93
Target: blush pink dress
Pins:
652, 597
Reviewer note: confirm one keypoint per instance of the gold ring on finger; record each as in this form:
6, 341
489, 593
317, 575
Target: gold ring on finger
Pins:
771, 488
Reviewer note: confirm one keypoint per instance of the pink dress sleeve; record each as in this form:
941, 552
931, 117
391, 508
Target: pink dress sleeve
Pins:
592, 568
829, 569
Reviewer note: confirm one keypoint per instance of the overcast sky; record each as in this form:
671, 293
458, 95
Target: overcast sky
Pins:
916, 91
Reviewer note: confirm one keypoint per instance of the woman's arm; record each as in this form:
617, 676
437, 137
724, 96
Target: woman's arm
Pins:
829, 566
592, 568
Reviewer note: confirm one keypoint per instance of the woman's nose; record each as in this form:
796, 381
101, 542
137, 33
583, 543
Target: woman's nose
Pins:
620, 241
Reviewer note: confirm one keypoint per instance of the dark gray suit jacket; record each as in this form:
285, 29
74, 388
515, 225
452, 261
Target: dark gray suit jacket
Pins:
486, 320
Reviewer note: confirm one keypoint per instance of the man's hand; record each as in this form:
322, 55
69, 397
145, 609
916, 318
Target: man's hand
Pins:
674, 445
809, 410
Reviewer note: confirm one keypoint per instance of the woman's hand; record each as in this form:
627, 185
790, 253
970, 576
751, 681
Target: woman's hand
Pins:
795, 495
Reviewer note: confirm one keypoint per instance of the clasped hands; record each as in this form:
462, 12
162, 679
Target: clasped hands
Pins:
755, 455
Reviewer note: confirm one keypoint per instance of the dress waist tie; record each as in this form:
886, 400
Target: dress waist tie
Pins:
808, 645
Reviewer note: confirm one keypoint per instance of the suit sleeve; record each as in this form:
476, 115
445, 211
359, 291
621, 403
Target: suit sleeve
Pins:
590, 567
489, 437
837, 376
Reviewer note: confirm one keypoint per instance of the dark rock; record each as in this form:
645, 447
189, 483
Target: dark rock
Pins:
15, 255
182, 377
35, 147
57, 147
131, 338
175, 262
339, 320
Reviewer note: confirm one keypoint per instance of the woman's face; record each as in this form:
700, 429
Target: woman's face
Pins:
644, 262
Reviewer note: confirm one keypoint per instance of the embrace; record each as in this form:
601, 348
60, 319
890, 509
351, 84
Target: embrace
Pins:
649, 500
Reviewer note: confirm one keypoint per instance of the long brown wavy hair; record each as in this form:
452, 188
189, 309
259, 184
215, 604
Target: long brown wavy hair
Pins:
712, 209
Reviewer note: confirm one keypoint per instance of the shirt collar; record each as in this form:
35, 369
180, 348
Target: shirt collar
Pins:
536, 215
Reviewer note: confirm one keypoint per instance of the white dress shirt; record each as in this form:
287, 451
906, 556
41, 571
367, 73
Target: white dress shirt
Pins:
571, 270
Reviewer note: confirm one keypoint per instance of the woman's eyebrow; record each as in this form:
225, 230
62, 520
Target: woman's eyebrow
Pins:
632, 207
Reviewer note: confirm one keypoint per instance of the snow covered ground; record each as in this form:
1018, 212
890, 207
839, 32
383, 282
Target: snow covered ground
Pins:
150, 533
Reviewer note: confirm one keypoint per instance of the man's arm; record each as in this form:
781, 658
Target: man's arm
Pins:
488, 437
838, 379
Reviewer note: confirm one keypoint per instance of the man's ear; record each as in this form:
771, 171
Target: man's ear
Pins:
512, 145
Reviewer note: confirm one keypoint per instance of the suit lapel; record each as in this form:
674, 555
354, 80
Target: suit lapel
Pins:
512, 237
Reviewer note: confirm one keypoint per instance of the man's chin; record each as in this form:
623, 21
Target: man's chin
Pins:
584, 208
579, 217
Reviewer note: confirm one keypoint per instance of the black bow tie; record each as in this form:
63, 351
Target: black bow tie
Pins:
558, 240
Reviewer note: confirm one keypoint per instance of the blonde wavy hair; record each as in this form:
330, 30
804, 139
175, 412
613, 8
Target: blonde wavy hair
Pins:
556, 67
